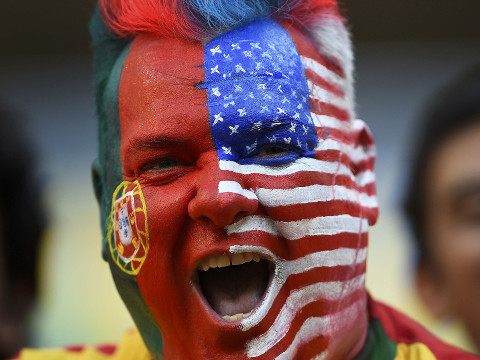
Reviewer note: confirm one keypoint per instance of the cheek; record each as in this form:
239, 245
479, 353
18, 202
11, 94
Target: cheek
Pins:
167, 211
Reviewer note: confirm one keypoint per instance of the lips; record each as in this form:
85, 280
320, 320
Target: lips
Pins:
234, 284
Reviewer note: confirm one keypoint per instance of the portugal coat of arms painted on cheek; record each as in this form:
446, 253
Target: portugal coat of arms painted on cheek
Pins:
128, 230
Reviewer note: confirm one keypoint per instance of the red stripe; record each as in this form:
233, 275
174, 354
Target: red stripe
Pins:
314, 210
321, 307
322, 108
298, 179
323, 83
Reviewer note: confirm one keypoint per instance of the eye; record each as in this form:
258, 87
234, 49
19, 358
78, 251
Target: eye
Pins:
165, 164
273, 151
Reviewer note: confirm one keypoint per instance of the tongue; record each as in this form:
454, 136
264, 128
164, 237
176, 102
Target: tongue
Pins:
235, 289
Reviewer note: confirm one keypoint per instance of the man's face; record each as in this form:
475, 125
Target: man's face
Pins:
453, 227
252, 194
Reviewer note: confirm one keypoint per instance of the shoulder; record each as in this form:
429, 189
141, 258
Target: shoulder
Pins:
413, 342
130, 347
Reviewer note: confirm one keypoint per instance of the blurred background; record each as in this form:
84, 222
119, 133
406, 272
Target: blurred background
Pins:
404, 50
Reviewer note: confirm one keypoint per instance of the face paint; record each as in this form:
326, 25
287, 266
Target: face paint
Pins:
259, 192
128, 229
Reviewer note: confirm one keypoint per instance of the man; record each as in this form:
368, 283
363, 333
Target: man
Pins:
443, 204
236, 187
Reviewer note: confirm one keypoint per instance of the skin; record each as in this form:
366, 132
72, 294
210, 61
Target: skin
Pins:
166, 146
450, 282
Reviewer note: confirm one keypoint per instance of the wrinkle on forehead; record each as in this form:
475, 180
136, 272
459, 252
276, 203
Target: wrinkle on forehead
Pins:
157, 87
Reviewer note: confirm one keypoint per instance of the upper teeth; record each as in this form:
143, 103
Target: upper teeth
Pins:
227, 260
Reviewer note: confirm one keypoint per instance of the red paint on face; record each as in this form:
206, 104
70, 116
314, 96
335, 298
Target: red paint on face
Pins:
166, 145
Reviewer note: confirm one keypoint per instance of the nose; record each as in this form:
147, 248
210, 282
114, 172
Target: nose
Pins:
222, 201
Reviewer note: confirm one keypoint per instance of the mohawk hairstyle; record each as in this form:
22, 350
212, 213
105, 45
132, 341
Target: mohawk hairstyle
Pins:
204, 19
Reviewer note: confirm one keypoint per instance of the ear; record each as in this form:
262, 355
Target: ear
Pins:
96, 180
362, 163
429, 286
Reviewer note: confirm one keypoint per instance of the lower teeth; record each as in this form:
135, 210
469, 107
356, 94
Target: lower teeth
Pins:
236, 316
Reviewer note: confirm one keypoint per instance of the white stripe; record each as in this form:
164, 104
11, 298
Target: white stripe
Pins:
326, 121
365, 177
315, 326
236, 188
284, 268
328, 97
296, 300
302, 164
311, 194
294, 230
356, 154
323, 72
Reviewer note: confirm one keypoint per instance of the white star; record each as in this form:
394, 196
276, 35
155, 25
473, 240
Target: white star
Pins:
228, 103
242, 112
280, 88
239, 68
305, 130
296, 116
215, 91
216, 50
235, 47
299, 106
294, 93
247, 53
272, 139
251, 147
266, 54
261, 86
255, 46
234, 129
267, 97
227, 150
287, 140
214, 70
271, 46
250, 95
257, 126
281, 111
264, 109
238, 88
292, 127
258, 65
285, 100
299, 143
218, 118
227, 57
225, 97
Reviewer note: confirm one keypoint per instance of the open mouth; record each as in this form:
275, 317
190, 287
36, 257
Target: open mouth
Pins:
234, 284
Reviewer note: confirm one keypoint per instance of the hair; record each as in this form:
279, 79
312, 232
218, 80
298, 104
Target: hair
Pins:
450, 110
203, 19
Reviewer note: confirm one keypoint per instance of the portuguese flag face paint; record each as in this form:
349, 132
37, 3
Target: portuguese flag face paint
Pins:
241, 222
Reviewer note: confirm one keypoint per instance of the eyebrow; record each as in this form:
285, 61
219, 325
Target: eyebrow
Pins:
155, 142
466, 188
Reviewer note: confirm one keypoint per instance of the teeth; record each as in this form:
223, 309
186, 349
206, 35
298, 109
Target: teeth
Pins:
236, 316
223, 261
227, 260
238, 259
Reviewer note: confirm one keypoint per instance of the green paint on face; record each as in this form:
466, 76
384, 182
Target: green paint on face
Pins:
109, 59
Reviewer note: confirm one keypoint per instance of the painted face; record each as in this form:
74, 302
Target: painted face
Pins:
253, 190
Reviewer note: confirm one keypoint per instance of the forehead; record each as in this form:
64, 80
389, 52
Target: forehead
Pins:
248, 82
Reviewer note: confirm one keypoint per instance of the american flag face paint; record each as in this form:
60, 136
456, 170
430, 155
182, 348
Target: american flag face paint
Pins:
259, 191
